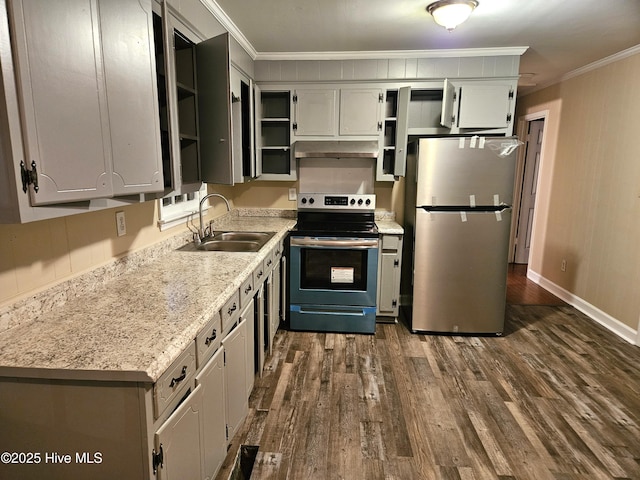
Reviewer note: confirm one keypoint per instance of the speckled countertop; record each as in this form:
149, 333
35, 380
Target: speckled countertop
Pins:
132, 327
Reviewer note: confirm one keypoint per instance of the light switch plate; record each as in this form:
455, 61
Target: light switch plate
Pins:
121, 226
293, 195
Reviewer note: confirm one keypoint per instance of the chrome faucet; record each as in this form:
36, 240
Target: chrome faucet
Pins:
201, 231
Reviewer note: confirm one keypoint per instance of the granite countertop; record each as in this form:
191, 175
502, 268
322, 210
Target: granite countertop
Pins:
133, 327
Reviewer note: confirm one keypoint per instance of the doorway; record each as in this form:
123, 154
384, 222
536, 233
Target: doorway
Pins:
528, 189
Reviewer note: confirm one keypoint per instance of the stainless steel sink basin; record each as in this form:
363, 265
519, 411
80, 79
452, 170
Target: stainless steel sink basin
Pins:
231, 242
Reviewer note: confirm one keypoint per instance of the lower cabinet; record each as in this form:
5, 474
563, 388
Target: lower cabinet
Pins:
214, 414
389, 267
235, 372
179, 442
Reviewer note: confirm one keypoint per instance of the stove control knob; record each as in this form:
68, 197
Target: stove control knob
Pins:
353, 201
368, 202
311, 200
303, 200
360, 202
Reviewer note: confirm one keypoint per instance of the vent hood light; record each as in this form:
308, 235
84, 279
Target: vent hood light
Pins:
451, 13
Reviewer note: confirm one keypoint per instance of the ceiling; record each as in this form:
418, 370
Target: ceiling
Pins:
561, 35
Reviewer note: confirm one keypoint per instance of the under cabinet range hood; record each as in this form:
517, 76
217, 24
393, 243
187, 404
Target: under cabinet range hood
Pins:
336, 149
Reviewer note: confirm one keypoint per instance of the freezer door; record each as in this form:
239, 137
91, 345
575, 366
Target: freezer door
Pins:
457, 172
460, 271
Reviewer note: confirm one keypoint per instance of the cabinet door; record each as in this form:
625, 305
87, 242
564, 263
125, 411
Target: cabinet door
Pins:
235, 373
315, 112
402, 132
360, 111
182, 159
211, 381
180, 441
484, 106
248, 314
389, 275
448, 117
130, 76
214, 97
63, 99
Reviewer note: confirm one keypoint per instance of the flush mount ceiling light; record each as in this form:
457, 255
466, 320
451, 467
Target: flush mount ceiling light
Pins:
451, 13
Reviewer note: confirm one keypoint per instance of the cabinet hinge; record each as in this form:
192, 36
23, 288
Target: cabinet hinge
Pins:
157, 458
235, 98
394, 303
29, 177
380, 97
226, 431
295, 98
396, 263
455, 96
508, 118
295, 126
224, 358
379, 126
511, 93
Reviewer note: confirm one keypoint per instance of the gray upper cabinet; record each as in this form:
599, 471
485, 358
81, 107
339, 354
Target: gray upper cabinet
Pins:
315, 112
360, 111
477, 105
86, 91
334, 112
226, 115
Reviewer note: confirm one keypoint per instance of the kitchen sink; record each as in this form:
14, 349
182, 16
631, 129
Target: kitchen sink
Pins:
231, 242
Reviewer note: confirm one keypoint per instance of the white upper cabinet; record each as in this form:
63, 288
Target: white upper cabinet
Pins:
333, 112
86, 90
477, 105
315, 112
360, 111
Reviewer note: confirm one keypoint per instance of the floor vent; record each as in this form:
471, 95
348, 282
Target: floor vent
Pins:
244, 462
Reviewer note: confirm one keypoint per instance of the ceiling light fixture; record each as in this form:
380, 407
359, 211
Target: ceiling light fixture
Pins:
451, 13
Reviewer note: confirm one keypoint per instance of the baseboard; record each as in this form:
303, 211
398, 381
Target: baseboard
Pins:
610, 323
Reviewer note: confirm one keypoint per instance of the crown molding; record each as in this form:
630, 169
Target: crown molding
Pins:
390, 54
601, 63
229, 26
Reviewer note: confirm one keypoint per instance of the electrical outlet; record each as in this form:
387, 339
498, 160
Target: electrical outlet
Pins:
563, 265
293, 195
121, 226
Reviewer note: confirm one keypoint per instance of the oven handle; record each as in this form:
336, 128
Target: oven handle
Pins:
334, 242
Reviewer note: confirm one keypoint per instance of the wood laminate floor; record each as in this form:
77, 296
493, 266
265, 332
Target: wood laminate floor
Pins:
556, 398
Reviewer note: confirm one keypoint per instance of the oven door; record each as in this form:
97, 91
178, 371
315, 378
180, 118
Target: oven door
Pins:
333, 271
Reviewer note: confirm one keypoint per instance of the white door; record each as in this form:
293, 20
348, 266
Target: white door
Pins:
360, 111
316, 112
179, 440
211, 381
529, 185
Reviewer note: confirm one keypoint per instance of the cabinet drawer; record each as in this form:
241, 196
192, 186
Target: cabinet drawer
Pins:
391, 242
259, 276
247, 291
167, 390
208, 340
278, 251
230, 311
268, 262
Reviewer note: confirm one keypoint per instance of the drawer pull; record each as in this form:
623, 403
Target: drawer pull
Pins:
248, 289
210, 339
232, 309
269, 263
259, 273
183, 375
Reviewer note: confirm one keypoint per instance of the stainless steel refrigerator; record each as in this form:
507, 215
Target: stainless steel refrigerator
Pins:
459, 192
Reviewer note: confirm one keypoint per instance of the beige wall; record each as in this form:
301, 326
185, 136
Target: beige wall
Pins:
588, 206
37, 255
